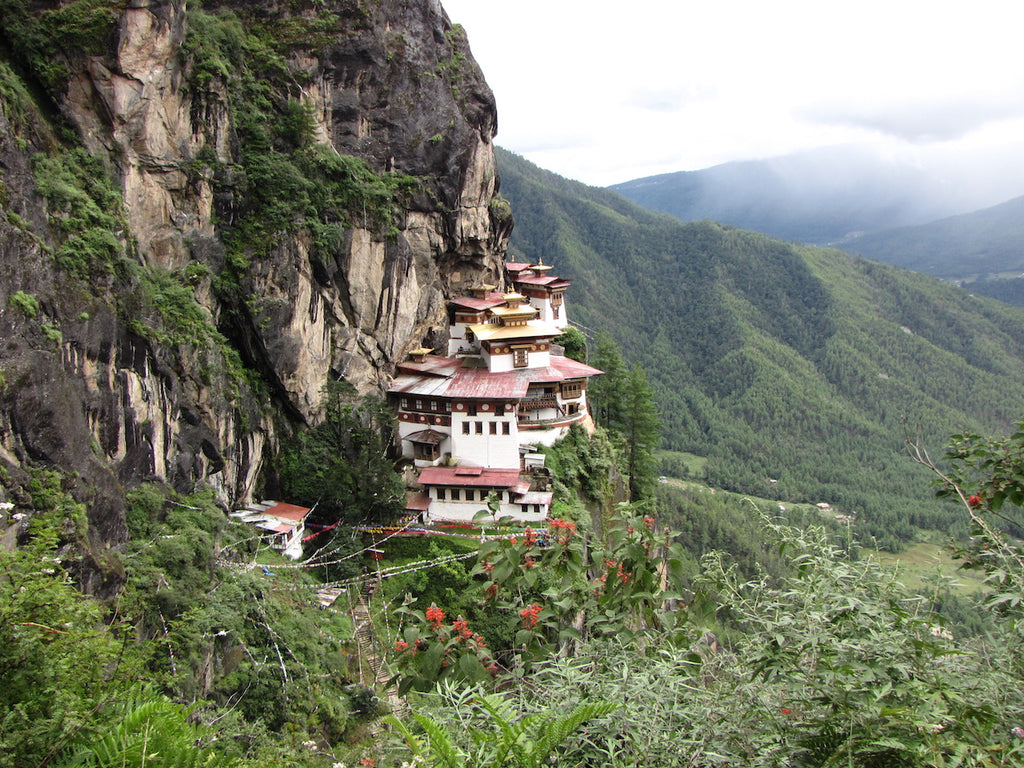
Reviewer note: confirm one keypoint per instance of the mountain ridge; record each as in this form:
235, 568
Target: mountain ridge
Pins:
780, 362
820, 196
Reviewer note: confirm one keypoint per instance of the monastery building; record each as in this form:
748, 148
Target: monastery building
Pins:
471, 420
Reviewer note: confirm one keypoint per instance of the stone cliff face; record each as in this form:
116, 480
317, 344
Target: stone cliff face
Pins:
102, 378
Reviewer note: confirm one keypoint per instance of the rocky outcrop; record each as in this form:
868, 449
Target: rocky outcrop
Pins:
110, 398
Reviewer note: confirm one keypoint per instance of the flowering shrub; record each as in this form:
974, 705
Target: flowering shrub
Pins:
429, 650
564, 587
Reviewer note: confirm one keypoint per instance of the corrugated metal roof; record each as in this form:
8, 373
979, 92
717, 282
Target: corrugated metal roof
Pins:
435, 365
487, 478
541, 280
572, 369
481, 384
426, 436
288, 511
493, 299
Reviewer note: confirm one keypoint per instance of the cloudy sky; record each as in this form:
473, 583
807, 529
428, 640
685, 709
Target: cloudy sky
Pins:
604, 92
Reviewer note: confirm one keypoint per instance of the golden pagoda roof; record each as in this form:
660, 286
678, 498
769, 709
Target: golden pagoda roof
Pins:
533, 329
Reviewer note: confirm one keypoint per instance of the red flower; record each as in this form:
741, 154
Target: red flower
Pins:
529, 615
491, 591
369, 761
649, 523
400, 645
529, 537
787, 711
460, 626
974, 501
623, 574
435, 616
563, 529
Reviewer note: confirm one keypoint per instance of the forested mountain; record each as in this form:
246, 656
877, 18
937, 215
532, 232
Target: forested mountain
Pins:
797, 370
984, 249
819, 196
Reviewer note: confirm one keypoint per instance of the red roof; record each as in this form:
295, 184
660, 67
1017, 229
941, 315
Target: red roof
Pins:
541, 280
426, 437
445, 377
494, 299
485, 478
288, 511
417, 501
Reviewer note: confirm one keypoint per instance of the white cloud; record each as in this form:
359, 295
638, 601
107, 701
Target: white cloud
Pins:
604, 91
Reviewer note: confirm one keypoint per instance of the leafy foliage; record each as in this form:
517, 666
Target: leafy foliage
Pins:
342, 465
835, 664
150, 730
574, 343
25, 303
498, 736
58, 662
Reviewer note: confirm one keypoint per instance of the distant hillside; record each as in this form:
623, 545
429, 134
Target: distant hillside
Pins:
820, 197
977, 248
793, 368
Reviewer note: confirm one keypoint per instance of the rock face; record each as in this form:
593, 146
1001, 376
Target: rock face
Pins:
94, 382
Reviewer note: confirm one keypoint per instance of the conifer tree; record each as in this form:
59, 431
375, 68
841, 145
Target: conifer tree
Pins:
642, 432
607, 393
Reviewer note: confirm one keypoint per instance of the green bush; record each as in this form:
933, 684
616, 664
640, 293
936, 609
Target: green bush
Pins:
25, 303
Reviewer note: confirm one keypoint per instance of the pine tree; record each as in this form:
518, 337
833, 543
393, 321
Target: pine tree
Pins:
607, 393
642, 432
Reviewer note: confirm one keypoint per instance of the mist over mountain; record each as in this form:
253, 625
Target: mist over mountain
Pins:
823, 196
982, 250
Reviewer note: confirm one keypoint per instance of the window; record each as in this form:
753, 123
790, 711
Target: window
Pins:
465, 427
506, 428
494, 427
405, 402
440, 494
419, 404
520, 358
425, 451
455, 494
433, 405
479, 427
469, 494
472, 409
499, 409
554, 312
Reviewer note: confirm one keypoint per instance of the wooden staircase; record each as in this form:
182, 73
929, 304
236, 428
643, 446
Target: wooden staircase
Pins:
373, 669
